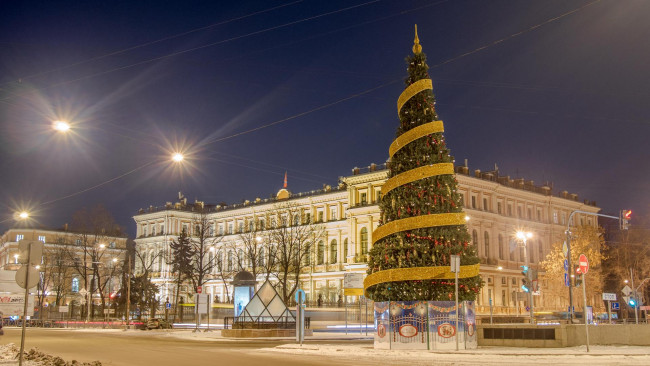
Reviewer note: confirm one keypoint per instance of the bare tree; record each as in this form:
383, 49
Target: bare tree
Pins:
293, 236
142, 288
92, 230
225, 268
203, 242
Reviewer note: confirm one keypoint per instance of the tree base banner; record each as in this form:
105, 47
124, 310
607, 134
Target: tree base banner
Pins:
424, 325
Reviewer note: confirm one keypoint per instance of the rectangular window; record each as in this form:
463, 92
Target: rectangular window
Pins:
111, 245
241, 227
519, 211
474, 202
320, 216
509, 210
230, 228
333, 213
504, 281
485, 205
563, 218
307, 218
41, 238
514, 281
503, 297
530, 214
555, 217
251, 225
499, 208
539, 215
220, 229
78, 242
364, 198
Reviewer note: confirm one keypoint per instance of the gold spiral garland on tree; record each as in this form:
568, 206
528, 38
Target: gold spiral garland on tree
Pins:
417, 222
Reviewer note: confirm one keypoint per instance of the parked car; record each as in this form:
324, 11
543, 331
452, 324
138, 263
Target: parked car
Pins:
158, 323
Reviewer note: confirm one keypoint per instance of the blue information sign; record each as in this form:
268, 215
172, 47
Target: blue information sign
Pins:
168, 305
566, 265
616, 306
566, 280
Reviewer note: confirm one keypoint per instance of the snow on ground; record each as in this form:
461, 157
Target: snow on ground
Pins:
598, 355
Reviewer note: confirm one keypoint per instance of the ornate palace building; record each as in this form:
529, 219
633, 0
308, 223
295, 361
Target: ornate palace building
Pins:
497, 207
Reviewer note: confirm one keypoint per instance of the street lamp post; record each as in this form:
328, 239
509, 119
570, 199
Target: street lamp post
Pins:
524, 236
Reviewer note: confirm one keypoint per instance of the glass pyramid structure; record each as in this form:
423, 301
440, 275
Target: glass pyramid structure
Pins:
266, 306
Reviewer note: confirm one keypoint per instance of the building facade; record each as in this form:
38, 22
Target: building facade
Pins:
68, 257
496, 206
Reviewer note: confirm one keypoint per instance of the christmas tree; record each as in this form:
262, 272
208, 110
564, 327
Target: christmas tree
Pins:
422, 222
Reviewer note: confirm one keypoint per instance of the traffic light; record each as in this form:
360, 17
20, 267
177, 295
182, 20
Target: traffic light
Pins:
526, 282
632, 302
624, 219
526, 285
578, 282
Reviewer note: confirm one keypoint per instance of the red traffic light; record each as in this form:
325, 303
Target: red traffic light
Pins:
627, 214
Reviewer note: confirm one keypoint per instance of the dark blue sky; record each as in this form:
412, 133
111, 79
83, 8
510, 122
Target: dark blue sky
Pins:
565, 101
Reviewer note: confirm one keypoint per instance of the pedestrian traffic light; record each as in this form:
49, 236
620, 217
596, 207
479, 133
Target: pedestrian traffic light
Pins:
525, 271
624, 219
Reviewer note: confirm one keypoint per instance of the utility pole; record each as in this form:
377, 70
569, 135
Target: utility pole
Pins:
128, 291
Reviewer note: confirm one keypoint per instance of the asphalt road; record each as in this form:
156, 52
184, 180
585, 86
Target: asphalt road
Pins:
116, 348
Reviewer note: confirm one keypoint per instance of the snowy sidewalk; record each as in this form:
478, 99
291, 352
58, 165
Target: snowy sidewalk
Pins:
599, 355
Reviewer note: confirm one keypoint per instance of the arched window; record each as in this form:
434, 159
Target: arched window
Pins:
333, 253
196, 230
512, 246
475, 238
229, 264
321, 252
75, 285
486, 244
364, 241
501, 247
296, 220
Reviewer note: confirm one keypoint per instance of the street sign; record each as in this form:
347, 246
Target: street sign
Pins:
21, 276
31, 248
353, 284
583, 262
567, 281
566, 265
300, 296
616, 306
83, 292
565, 249
199, 289
63, 308
168, 305
626, 290
455, 263
609, 296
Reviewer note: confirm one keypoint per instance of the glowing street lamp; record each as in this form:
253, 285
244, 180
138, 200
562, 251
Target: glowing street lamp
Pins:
177, 157
61, 126
23, 215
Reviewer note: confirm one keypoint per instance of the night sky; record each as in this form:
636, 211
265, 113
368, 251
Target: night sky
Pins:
550, 90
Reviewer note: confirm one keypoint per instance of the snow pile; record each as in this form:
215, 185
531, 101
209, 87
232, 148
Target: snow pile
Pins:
9, 356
